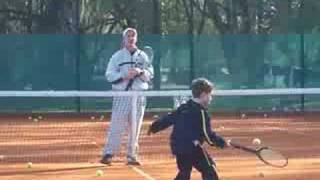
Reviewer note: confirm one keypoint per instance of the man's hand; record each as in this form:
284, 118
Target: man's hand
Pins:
136, 71
132, 72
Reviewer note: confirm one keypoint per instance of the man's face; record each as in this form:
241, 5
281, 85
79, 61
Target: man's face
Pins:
131, 39
206, 98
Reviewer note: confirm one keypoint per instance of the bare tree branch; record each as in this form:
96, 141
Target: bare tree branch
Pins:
98, 23
246, 16
203, 16
13, 12
213, 7
113, 25
201, 10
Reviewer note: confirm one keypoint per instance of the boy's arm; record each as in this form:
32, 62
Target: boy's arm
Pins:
162, 123
210, 136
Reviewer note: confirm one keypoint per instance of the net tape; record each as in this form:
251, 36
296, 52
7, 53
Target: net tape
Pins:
240, 92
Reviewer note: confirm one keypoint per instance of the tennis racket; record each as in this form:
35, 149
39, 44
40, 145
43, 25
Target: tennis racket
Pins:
149, 51
265, 154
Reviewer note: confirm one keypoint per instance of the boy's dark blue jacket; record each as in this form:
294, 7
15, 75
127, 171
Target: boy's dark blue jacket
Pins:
191, 123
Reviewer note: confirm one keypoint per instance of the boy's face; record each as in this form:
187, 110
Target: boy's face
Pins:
205, 98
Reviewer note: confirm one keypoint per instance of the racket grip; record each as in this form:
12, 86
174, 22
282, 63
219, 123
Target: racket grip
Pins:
238, 146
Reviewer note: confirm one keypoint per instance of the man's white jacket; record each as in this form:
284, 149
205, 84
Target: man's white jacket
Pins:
118, 67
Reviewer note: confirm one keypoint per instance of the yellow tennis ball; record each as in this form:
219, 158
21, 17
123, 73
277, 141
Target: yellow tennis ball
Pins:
256, 141
29, 165
99, 173
35, 120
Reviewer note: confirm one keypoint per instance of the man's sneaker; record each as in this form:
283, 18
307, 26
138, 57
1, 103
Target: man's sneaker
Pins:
133, 161
107, 159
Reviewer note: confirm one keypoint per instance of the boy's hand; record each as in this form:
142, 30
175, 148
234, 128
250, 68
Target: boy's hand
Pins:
149, 131
228, 143
220, 142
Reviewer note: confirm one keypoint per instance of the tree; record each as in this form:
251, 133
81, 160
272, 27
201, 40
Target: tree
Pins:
39, 17
242, 24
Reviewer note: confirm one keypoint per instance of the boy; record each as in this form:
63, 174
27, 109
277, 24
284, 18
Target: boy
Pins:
191, 127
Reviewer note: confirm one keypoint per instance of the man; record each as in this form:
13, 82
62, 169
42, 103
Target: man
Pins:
128, 69
191, 127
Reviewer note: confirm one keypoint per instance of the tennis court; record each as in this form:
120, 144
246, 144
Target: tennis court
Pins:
56, 94
68, 146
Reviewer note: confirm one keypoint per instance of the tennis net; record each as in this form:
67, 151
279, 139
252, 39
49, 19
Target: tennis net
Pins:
37, 126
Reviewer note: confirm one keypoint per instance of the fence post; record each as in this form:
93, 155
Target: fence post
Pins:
78, 55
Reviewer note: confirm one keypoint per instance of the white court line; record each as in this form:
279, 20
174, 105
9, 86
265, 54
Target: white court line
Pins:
142, 173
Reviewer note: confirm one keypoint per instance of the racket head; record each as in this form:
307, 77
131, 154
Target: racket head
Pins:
272, 158
149, 51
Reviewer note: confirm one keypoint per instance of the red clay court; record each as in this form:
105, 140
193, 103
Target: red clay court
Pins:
69, 147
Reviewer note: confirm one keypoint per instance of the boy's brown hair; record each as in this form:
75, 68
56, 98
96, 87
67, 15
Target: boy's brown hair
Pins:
201, 85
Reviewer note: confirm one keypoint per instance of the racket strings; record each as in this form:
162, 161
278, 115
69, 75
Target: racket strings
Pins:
273, 158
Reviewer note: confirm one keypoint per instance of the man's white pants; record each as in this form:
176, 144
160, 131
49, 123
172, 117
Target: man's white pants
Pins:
127, 114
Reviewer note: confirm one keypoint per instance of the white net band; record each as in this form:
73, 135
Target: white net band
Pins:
246, 92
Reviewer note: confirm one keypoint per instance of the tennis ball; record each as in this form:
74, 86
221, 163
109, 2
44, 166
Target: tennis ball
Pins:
92, 117
243, 116
229, 142
39, 117
265, 115
99, 173
256, 141
29, 117
29, 165
35, 120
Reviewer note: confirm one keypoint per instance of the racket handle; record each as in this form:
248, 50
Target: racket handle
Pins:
238, 146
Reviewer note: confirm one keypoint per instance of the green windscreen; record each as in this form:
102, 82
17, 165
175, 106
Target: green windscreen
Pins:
78, 62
